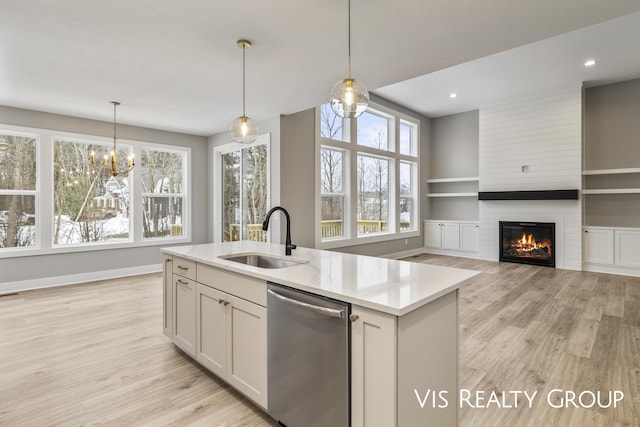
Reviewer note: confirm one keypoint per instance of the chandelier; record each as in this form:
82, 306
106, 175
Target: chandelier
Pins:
111, 167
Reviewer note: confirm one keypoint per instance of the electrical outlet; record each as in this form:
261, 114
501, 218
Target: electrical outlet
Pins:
526, 168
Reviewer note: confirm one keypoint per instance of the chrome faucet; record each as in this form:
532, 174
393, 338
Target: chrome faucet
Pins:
265, 227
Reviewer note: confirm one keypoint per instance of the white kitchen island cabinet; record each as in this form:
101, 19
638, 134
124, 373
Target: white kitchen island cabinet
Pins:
404, 325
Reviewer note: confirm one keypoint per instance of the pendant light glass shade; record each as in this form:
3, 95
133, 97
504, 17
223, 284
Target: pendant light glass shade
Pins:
243, 129
349, 97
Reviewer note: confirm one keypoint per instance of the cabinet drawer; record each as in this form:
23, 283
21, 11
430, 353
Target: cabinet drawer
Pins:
184, 267
249, 288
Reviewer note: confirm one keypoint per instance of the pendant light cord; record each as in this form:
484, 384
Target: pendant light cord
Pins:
349, 36
244, 96
115, 104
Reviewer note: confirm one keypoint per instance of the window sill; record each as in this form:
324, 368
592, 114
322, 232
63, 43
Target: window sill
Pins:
26, 252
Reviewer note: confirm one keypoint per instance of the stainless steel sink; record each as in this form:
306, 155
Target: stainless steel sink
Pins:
262, 261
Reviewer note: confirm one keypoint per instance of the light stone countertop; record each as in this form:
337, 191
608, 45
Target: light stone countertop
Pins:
390, 286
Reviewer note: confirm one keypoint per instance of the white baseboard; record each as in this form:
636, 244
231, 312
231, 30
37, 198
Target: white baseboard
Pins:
473, 255
73, 279
404, 254
611, 269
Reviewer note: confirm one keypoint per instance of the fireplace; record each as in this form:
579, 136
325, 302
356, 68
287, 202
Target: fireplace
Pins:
528, 242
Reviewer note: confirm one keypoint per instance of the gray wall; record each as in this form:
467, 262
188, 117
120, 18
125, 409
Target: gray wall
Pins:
611, 134
297, 174
455, 144
35, 267
612, 126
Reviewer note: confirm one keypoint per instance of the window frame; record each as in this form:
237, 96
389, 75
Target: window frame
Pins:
45, 203
352, 149
219, 151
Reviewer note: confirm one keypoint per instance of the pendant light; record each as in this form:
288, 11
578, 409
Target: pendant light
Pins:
113, 168
244, 129
349, 97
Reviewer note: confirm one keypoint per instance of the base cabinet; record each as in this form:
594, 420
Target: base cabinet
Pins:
397, 360
225, 333
451, 236
167, 296
184, 327
373, 368
612, 250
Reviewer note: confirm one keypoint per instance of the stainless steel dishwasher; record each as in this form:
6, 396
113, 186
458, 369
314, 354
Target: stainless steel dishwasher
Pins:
308, 358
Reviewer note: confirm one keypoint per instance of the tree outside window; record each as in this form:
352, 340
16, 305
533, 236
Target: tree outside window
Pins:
17, 191
90, 205
162, 175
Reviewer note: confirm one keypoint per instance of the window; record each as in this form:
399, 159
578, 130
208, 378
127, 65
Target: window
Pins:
76, 206
332, 204
89, 206
162, 174
18, 154
368, 187
245, 191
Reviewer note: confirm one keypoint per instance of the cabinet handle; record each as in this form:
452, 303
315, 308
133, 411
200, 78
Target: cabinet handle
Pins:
586, 231
183, 282
182, 267
353, 317
220, 301
168, 260
226, 303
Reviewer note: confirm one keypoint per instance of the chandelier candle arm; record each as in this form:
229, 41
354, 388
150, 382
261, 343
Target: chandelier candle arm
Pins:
113, 170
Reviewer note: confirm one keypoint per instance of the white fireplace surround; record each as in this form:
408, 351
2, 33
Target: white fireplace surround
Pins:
533, 143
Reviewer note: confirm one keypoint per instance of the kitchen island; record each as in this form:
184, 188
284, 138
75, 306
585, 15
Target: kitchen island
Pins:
404, 324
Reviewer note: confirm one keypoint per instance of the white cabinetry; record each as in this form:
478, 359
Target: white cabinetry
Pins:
220, 320
373, 372
469, 237
184, 327
167, 296
232, 330
451, 236
612, 250
393, 356
598, 245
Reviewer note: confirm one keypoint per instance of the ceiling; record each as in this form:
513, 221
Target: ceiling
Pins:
175, 65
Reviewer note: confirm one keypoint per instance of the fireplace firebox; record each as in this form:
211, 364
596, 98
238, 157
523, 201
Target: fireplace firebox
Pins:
528, 242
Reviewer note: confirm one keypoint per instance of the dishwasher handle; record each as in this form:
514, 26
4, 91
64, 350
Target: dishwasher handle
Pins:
331, 312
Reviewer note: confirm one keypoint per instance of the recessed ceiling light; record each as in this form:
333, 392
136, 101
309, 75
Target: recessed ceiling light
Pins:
453, 95
590, 63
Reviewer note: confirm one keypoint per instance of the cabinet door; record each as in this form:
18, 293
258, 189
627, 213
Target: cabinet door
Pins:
184, 314
451, 236
247, 348
373, 368
167, 296
598, 246
469, 237
433, 234
627, 248
211, 329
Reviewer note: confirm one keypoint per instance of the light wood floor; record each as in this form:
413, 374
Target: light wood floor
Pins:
94, 354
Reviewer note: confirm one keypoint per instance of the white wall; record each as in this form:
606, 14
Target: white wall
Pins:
542, 133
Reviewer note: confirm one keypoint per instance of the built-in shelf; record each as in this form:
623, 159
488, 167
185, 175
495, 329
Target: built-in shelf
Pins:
612, 191
461, 179
610, 171
452, 194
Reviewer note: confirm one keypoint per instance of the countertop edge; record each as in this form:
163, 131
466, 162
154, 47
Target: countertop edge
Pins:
271, 275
